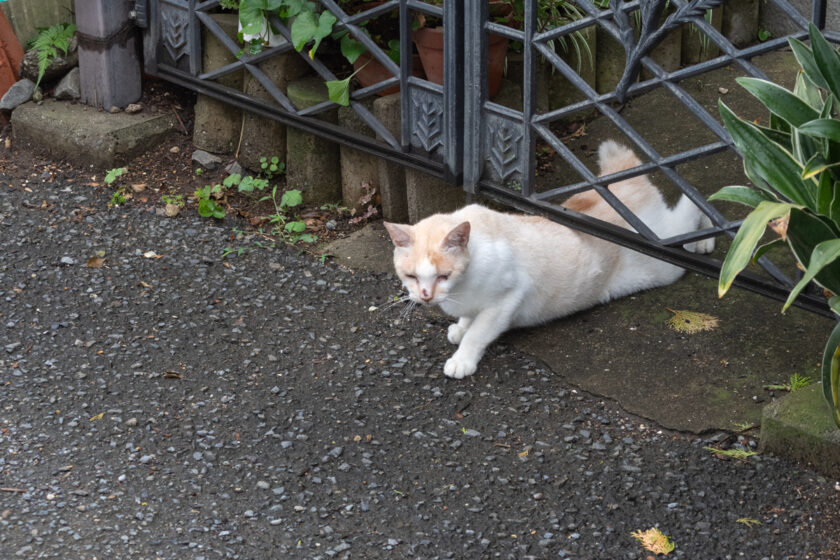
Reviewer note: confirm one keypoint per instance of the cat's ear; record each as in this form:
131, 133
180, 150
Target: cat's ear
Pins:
458, 237
400, 235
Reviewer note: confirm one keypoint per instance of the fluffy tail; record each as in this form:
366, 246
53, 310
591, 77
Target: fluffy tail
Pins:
613, 157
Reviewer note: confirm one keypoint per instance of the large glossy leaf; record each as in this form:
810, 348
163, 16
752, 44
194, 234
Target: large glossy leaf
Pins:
805, 231
822, 128
834, 210
743, 195
831, 371
827, 60
805, 56
769, 160
814, 167
823, 255
748, 236
780, 101
825, 194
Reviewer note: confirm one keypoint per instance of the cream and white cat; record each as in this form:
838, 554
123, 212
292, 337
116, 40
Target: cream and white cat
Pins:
496, 271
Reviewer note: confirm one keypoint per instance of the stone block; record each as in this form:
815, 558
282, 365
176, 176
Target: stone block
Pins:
20, 92
610, 56
387, 111
799, 426
261, 136
69, 87
667, 54
427, 195
85, 135
217, 124
740, 22
357, 167
312, 163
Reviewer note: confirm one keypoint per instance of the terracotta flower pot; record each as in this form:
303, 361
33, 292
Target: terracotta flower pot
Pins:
429, 43
372, 72
11, 54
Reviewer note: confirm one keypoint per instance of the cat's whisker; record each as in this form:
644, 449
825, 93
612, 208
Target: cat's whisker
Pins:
391, 304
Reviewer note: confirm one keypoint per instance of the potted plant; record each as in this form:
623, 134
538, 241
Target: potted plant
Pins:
794, 165
429, 41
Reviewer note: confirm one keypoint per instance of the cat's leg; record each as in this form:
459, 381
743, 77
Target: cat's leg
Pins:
484, 329
456, 330
687, 217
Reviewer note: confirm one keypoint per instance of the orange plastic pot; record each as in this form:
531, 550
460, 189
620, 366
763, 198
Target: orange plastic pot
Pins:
11, 54
371, 71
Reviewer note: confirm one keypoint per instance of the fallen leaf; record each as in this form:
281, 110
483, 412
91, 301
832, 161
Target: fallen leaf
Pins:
95, 262
654, 541
139, 187
691, 321
172, 375
97, 417
780, 226
145, 284
524, 453
748, 521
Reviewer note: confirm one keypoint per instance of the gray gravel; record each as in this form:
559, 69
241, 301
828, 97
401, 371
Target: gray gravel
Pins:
181, 405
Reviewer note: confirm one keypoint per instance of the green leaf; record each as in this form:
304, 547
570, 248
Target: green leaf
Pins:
112, 174
205, 208
780, 101
823, 255
805, 57
822, 128
742, 195
804, 232
808, 92
351, 48
827, 60
295, 227
307, 238
762, 249
291, 198
816, 165
232, 180
303, 28
770, 161
339, 91
831, 368
247, 184
834, 209
750, 232
825, 194
251, 17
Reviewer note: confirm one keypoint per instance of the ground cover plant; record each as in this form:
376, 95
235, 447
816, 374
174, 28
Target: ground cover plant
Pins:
794, 167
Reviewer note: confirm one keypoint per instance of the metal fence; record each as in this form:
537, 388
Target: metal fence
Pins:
453, 131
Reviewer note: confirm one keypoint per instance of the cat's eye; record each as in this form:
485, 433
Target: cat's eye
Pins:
443, 277
411, 277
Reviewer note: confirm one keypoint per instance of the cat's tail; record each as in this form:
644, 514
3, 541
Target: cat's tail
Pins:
613, 157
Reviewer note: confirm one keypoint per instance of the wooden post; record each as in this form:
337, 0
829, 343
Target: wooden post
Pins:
109, 62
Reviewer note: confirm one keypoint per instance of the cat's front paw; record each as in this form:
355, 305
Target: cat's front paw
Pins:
455, 333
459, 368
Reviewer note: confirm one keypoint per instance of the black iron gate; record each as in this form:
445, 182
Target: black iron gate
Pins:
453, 131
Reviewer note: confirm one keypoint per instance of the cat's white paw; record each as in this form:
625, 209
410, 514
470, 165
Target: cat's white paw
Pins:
455, 333
459, 368
705, 246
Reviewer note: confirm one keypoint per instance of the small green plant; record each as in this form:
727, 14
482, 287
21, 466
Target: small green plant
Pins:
120, 196
271, 167
246, 184
199, 171
324, 256
207, 205
177, 200
48, 42
286, 225
763, 35
237, 252
334, 208
795, 383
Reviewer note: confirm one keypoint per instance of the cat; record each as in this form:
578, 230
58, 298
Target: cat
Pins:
495, 271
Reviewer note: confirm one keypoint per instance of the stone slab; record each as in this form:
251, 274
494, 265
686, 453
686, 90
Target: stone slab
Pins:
799, 426
86, 135
391, 175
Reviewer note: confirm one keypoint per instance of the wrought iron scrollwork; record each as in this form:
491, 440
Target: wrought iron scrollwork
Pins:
174, 25
429, 124
504, 151
650, 32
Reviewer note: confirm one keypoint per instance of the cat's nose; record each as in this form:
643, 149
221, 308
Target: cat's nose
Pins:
425, 295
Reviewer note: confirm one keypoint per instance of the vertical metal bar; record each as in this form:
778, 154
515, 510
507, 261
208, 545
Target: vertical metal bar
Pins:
194, 31
475, 92
453, 90
529, 98
818, 13
405, 65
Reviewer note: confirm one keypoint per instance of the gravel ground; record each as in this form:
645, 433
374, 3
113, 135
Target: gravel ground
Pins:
181, 405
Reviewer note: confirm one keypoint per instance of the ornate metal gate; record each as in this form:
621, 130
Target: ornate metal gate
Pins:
455, 132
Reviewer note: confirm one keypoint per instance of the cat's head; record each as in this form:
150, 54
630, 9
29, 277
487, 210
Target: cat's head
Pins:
430, 257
